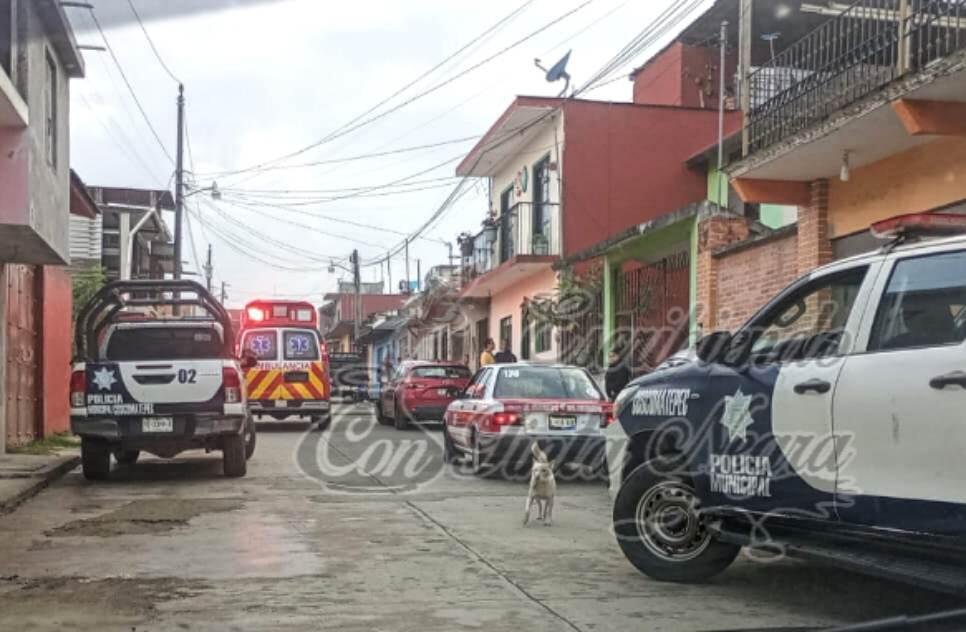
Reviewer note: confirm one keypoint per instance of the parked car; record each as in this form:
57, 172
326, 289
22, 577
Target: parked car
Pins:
508, 406
829, 427
420, 391
143, 382
350, 375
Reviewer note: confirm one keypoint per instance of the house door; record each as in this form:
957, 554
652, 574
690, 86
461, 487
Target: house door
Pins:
541, 198
507, 226
23, 353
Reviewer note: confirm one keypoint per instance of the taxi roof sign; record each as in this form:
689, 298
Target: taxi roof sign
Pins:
919, 224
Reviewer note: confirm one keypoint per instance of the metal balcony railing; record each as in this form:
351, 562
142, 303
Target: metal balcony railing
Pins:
525, 229
870, 44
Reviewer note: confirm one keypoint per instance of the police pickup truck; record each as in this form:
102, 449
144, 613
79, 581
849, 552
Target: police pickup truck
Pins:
143, 381
830, 427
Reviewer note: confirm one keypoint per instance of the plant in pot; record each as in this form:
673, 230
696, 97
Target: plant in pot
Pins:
467, 244
490, 225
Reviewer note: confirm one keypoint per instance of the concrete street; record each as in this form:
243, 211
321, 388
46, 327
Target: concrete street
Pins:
174, 545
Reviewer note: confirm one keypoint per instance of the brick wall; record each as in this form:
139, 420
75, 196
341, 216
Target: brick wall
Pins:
750, 275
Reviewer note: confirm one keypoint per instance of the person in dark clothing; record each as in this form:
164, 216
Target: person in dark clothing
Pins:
618, 375
506, 355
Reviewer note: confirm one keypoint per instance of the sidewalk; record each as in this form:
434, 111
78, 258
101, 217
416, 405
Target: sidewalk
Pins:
24, 475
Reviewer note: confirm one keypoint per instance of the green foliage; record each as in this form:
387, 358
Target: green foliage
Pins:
576, 295
86, 284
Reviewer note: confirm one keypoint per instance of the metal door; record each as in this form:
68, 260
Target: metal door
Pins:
23, 353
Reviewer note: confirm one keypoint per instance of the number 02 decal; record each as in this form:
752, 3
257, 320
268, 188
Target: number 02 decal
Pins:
187, 376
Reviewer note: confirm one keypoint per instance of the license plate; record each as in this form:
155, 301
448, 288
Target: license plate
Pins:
157, 424
563, 423
281, 403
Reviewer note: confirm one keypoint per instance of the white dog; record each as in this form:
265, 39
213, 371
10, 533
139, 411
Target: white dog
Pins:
543, 487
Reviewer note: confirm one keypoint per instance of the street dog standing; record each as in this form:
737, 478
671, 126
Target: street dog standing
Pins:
543, 487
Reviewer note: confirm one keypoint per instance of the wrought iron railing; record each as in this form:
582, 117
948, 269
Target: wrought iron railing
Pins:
528, 229
870, 44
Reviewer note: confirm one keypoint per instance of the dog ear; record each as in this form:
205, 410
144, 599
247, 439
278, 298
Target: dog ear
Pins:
538, 453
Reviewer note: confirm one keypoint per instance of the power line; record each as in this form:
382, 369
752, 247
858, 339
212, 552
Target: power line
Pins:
130, 88
154, 48
304, 192
349, 128
120, 140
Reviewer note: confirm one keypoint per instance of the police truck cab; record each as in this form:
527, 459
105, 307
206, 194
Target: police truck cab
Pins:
831, 426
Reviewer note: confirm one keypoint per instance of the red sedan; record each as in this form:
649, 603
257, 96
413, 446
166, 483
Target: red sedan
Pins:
420, 391
508, 406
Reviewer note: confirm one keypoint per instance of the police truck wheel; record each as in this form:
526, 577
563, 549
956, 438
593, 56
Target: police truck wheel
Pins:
95, 459
250, 438
233, 456
661, 531
127, 457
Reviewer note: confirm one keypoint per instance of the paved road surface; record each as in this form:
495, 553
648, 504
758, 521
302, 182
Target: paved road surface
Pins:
174, 545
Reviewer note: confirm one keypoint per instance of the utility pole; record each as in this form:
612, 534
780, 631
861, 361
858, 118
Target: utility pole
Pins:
407, 265
419, 275
209, 269
357, 284
224, 292
745, 25
389, 271
722, 199
179, 186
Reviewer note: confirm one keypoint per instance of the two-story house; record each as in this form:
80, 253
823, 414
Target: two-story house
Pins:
856, 113
566, 175
38, 58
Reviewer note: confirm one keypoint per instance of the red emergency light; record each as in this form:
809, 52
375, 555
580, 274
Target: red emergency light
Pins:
919, 224
279, 314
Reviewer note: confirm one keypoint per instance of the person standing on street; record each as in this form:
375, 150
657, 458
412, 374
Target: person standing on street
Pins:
617, 377
506, 356
487, 356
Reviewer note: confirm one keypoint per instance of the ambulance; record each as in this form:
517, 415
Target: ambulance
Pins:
291, 373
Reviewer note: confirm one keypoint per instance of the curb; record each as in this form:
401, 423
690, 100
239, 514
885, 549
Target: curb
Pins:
34, 485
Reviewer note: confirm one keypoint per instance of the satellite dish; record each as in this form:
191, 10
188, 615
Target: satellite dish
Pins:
557, 72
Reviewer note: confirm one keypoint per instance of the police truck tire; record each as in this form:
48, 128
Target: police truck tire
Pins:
250, 438
127, 457
95, 459
660, 532
233, 459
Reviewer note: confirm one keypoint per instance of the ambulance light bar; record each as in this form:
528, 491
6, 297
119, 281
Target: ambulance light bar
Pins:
279, 314
919, 224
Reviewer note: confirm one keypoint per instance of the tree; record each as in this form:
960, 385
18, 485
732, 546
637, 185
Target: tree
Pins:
87, 282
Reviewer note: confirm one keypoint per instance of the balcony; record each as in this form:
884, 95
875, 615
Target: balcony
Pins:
524, 240
867, 49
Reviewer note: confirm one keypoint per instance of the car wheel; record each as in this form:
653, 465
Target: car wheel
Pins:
480, 463
127, 457
381, 415
95, 459
321, 422
233, 456
250, 438
399, 417
660, 528
449, 450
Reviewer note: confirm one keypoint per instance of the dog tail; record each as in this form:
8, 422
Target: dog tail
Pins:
538, 454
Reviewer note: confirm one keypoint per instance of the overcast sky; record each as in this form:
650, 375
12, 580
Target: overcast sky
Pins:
266, 78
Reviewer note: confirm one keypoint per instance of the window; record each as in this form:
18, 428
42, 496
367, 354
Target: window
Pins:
810, 322
164, 343
264, 344
506, 332
541, 198
50, 111
6, 36
542, 329
525, 327
546, 383
924, 304
441, 372
301, 345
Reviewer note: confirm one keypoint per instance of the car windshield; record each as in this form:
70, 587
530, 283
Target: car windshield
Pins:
545, 383
441, 372
164, 343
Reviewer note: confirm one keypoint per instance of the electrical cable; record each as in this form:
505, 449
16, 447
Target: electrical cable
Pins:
137, 101
154, 48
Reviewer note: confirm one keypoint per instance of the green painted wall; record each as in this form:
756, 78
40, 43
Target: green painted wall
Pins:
649, 247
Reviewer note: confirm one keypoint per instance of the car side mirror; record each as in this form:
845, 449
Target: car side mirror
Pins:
713, 347
248, 360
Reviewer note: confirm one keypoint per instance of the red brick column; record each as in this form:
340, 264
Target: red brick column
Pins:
713, 233
814, 245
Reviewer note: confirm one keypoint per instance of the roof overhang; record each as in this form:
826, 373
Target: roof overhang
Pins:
507, 274
81, 202
515, 128
61, 36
